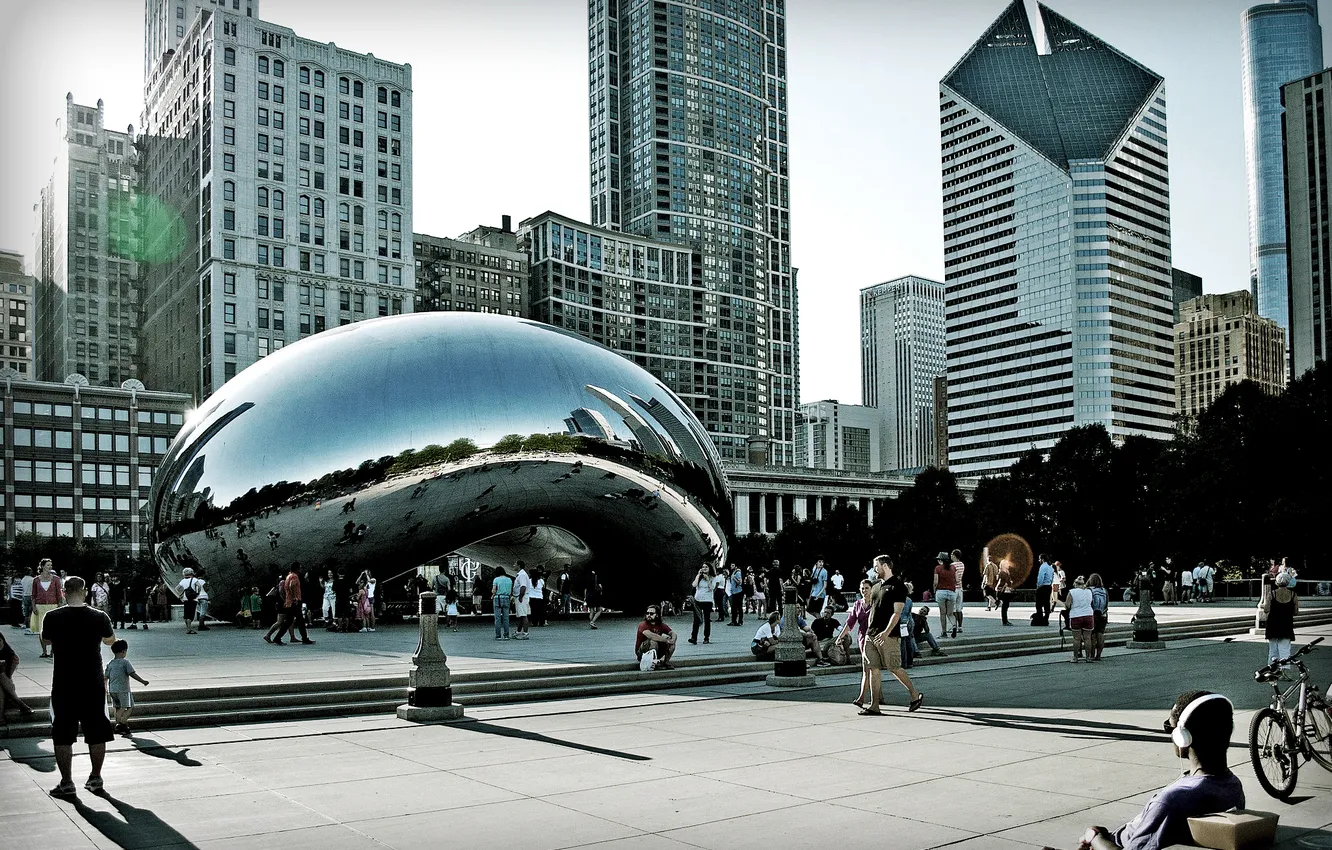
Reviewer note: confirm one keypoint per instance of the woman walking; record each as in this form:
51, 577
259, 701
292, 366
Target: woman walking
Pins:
858, 616
703, 585
1078, 604
101, 594
1280, 605
1003, 589
1100, 615
47, 595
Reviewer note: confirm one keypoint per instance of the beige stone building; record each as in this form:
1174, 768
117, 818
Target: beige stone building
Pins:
1221, 340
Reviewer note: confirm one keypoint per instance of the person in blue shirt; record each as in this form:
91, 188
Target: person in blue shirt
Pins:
1200, 726
501, 591
735, 596
1044, 581
818, 591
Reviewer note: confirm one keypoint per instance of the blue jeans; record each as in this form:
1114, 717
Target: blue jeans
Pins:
501, 615
934, 644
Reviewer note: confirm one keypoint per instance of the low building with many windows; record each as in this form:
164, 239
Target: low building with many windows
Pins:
481, 271
1221, 340
79, 460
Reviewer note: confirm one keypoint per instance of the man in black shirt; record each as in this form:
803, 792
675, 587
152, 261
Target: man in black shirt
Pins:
883, 649
115, 594
78, 690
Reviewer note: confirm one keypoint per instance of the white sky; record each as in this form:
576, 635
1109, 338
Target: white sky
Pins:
500, 104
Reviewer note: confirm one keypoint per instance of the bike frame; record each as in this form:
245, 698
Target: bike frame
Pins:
1295, 717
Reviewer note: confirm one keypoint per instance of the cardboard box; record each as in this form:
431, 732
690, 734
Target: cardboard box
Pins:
1242, 829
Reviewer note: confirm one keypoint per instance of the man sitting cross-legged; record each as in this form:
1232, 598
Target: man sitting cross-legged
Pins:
654, 634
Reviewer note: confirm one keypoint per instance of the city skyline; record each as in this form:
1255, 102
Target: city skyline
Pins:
861, 176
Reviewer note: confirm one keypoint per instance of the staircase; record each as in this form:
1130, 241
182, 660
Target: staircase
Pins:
208, 706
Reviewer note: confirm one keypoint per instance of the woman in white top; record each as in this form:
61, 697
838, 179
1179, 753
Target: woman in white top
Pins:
703, 586
1078, 604
101, 595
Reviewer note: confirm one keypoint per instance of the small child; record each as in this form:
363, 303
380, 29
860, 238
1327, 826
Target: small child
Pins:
118, 674
256, 607
451, 611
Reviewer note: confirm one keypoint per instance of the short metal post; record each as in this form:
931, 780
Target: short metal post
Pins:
790, 669
1145, 633
429, 693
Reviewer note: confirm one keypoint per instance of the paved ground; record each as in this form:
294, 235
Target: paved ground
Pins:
1009, 754
169, 658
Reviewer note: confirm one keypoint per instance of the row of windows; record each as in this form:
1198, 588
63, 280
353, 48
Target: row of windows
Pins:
105, 414
104, 530
66, 503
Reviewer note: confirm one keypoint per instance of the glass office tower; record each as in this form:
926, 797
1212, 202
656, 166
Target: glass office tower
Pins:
1058, 291
1281, 41
689, 146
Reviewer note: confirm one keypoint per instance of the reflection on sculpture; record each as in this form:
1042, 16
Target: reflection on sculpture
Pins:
393, 442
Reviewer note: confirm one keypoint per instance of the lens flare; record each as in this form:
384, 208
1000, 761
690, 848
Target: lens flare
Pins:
1013, 549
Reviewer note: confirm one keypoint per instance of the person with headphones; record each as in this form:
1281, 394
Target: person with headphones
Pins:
1200, 725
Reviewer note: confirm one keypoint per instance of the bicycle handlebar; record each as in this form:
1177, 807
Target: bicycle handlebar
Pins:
1277, 665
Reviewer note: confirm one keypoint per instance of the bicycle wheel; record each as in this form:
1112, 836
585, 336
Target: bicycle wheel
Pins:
1273, 753
1318, 731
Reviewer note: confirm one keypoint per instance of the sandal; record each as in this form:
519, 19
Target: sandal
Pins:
916, 703
867, 712
858, 704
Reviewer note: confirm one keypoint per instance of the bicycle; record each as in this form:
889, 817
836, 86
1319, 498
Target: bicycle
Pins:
1279, 737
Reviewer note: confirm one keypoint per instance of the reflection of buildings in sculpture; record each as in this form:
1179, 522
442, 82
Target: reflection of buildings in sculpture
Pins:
87, 298
648, 440
83, 459
767, 497
685, 440
274, 259
583, 422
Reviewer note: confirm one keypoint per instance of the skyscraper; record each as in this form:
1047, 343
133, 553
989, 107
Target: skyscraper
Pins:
1308, 155
283, 169
166, 21
16, 292
901, 353
689, 146
1057, 243
1281, 41
1185, 286
87, 299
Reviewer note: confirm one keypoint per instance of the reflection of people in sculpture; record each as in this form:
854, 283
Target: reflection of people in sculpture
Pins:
349, 507
273, 539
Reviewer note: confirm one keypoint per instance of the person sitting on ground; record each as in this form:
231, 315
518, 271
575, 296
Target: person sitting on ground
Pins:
765, 639
654, 634
9, 698
921, 630
1200, 725
824, 628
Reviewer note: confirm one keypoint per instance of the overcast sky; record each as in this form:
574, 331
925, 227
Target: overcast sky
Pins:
500, 97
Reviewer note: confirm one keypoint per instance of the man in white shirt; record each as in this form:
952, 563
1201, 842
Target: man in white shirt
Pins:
765, 639
539, 600
522, 600
189, 589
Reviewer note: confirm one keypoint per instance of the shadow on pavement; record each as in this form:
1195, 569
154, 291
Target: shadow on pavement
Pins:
140, 827
28, 751
148, 746
506, 732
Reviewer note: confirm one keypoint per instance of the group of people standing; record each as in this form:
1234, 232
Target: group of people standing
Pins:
136, 600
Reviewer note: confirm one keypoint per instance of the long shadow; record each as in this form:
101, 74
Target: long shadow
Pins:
149, 747
522, 734
140, 828
28, 751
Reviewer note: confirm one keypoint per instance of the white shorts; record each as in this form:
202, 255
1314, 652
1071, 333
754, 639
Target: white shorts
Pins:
522, 607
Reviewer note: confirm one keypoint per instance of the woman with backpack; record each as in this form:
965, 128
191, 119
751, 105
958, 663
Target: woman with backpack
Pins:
1078, 604
1100, 616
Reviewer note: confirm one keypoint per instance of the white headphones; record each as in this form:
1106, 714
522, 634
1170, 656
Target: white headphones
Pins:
1182, 737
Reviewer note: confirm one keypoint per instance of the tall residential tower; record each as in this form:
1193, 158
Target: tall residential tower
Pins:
901, 353
1281, 41
689, 146
1057, 243
87, 299
1308, 158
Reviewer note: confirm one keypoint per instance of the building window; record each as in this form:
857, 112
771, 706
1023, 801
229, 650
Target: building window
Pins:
229, 82
229, 313
228, 56
229, 249
279, 322
228, 283
229, 343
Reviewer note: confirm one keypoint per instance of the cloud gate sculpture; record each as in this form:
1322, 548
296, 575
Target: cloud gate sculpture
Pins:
396, 441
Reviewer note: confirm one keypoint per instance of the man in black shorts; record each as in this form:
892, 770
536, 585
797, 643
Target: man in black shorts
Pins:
78, 690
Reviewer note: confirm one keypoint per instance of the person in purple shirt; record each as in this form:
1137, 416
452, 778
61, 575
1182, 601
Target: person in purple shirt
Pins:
1200, 726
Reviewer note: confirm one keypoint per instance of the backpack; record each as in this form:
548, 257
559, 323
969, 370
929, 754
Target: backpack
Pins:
192, 591
1100, 600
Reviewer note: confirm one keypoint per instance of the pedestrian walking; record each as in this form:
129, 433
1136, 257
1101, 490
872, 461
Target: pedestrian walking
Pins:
28, 578
1100, 615
1044, 585
47, 595
101, 594
858, 617
1186, 585
76, 633
522, 600
735, 595
189, 588
203, 600
343, 590
773, 592
1003, 589
118, 673
1280, 604
838, 582
719, 580
328, 609
501, 590
293, 615
1078, 604
703, 582
882, 651
592, 597
818, 591
566, 593
960, 569
371, 585
990, 584
539, 599
945, 592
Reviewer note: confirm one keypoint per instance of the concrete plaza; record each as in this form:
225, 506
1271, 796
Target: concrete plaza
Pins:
1015, 753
